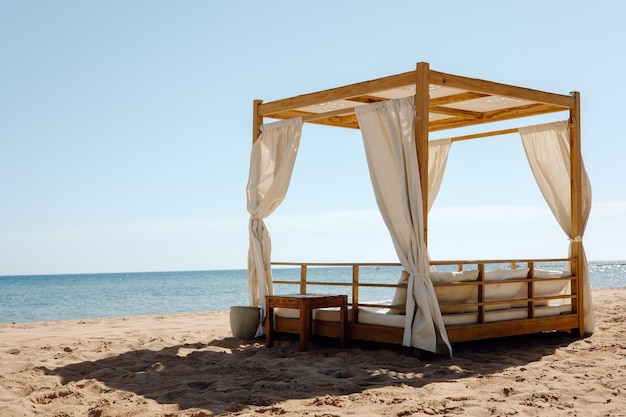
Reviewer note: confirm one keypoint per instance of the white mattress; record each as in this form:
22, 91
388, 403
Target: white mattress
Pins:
379, 316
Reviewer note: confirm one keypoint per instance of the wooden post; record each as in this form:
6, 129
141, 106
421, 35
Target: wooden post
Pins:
422, 104
481, 293
531, 290
257, 120
303, 279
355, 293
577, 207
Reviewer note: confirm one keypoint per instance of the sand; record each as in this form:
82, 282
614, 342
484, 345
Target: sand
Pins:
190, 365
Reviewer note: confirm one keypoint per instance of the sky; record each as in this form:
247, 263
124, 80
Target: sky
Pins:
125, 128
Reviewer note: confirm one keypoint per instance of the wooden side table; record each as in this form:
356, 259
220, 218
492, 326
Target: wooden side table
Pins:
306, 303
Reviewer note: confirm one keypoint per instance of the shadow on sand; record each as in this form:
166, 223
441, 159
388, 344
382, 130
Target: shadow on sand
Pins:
229, 374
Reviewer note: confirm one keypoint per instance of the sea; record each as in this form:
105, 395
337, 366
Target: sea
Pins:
36, 298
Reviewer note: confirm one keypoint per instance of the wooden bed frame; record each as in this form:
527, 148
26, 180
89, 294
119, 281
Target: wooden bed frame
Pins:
529, 318
444, 101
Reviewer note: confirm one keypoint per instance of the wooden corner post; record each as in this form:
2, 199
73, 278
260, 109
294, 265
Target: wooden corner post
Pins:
257, 120
422, 104
577, 225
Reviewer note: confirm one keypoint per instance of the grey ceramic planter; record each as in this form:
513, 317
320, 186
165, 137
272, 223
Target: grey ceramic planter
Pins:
244, 321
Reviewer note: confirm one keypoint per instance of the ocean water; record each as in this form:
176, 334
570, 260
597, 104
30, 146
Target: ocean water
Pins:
81, 296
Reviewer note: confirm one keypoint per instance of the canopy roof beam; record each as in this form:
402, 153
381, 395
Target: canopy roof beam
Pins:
455, 101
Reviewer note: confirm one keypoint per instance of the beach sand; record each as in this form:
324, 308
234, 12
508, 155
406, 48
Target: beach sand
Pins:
190, 365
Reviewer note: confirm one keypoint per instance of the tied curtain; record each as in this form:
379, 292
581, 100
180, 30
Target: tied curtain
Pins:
547, 148
388, 136
271, 164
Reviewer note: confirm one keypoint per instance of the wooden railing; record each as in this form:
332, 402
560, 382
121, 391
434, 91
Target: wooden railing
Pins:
460, 265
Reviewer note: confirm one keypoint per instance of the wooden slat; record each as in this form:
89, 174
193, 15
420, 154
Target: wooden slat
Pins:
456, 98
289, 114
457, 112
382, 334
433, 262
339, 93
349, 121
278, 263
484, 135
495, 116
368, 99
503, 90
465, 333
338, 118
327, 115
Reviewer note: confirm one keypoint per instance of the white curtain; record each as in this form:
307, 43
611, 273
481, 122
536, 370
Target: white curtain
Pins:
271, 164
437, 159
388, 136
547, 148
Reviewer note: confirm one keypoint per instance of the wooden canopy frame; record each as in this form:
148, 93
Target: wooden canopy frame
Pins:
444, 101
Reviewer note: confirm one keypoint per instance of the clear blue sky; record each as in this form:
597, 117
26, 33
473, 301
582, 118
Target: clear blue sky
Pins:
125, 128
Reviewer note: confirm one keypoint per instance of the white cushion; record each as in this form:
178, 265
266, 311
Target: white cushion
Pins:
373, 315
552, 283
380, 317
399, 297
502, 291
445, 295
439, 277
457, 294
503, 273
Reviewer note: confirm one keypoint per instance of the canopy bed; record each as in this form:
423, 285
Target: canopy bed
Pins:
431, 309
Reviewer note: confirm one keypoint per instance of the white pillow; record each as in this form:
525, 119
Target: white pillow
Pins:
457, 294
445, 295
500, 292
399, 298
550, 284
502, 273
437, 277
544, 273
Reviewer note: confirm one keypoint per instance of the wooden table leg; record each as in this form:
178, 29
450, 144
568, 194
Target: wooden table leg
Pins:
305, 325
342, 322
269, 325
